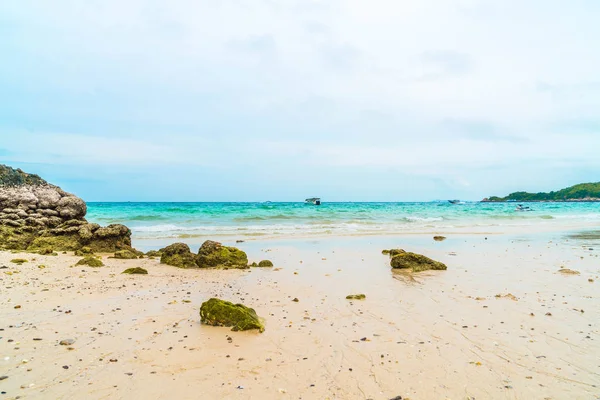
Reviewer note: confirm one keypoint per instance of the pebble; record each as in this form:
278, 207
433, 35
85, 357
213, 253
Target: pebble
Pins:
66, 342
295, 299
3, 377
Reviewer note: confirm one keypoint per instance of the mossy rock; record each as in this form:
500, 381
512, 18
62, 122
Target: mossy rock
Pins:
63, 242
265, 264
416, 262
136, 271
46, 251
90, 261
356, 297
215, 255
439, 238
178, 255
14, 239
84, 251
219, 312
18, 261
393, 252
125, 255
153, 253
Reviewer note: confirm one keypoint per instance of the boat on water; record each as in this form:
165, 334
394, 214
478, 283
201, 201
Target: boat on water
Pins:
521, 207
454, 201
314, 201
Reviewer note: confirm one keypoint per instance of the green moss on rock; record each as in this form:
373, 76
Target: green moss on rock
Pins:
178, 255
62, 242
18, 261
219, 312
439, 238
265, 263
356, 297
392, 252
46, 251
153, 253
84, 251
125, 255
136, 270
90, 261
215, 255
415, 262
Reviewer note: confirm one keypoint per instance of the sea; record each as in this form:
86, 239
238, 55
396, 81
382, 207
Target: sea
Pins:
167, 222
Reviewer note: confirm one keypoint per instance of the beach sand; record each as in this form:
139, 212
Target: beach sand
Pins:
433, 335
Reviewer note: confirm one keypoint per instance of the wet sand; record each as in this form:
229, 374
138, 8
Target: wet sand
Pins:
433, 335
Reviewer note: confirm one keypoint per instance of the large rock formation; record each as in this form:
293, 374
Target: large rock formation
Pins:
36, 215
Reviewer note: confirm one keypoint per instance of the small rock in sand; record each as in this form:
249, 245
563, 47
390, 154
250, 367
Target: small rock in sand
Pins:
568, 271
66, 342
356, 297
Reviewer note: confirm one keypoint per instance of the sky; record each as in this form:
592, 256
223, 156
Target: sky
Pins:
254, 100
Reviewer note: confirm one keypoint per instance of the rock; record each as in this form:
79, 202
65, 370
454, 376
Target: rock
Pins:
439, 238
507, 296
90, 261
393, 252
416, 262
265, 263
3, 377
568, 271
153, 253
66, 342
18, 261
218, 312
35, 215
215, 255
71, 207
125, 255
136, 271
46, 251
84, 251
178, 255
356, 297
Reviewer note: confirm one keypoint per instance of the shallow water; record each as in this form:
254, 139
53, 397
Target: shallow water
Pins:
280, 220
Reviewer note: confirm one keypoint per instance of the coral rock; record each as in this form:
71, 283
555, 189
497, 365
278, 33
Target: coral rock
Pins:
416, 262
218, 312
215, 255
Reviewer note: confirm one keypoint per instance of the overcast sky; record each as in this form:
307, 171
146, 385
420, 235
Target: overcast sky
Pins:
204, 100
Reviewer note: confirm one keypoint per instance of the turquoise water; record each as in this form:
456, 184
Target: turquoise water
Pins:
266, 220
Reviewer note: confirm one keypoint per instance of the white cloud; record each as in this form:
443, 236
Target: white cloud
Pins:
423, 85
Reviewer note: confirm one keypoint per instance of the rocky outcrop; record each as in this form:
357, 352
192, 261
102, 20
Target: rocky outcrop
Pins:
218, 312
36, 215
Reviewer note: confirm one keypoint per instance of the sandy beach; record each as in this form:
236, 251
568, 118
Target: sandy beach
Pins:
432, 335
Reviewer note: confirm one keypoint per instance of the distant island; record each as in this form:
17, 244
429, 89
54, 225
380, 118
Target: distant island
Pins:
580, 192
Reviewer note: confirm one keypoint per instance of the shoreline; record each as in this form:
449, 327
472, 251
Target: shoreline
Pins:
437, 334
